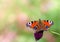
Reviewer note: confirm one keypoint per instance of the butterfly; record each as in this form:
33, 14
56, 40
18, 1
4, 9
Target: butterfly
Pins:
39, 27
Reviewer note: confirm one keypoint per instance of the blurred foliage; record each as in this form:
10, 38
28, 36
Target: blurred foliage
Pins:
34, 14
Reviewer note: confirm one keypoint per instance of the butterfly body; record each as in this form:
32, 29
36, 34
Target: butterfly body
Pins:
39, 27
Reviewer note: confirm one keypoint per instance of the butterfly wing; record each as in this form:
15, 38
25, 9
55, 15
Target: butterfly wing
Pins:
38, 35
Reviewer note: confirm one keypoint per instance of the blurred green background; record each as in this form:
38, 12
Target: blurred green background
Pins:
14, 14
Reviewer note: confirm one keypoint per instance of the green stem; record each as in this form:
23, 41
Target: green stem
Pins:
55, 33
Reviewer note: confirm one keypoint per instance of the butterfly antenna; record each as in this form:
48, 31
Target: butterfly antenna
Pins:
41, 24
40, 21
